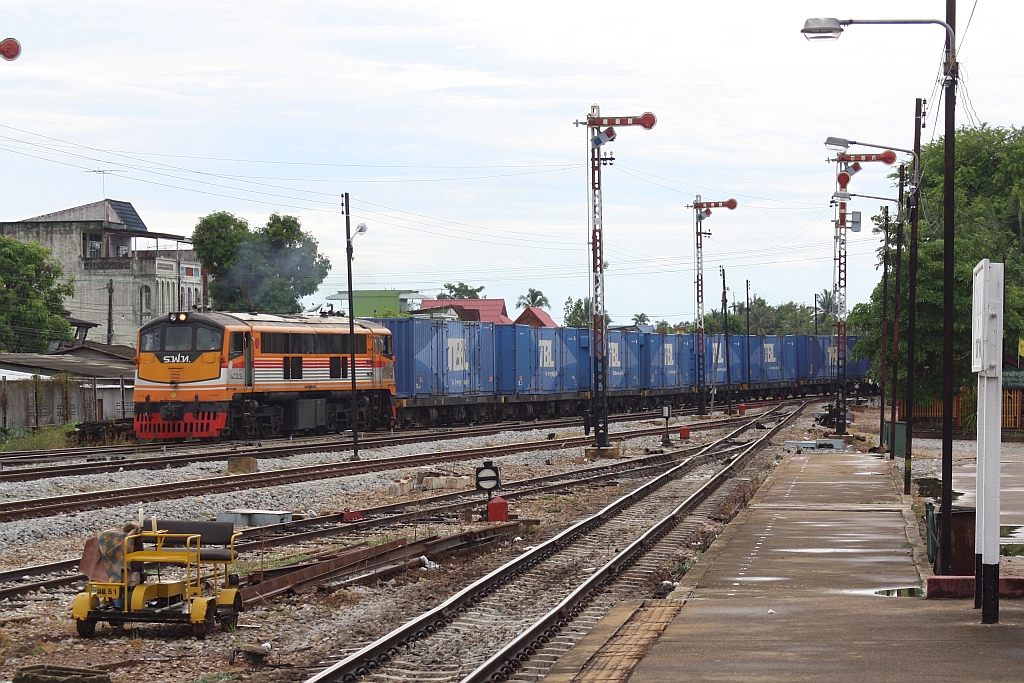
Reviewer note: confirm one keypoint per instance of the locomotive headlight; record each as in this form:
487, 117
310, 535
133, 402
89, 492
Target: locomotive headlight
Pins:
181, 317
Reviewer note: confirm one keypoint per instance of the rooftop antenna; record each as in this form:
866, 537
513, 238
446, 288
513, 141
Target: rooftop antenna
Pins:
103, 174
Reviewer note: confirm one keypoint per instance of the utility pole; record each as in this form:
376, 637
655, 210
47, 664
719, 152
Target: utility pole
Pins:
748, 337
110, 312
948, 262
354, 417
595, 139
815, 314
914, 200
896, 317
885, 333
725, 326
701, 211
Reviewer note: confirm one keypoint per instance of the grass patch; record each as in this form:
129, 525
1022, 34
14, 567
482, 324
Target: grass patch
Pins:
217, 677
908, 544
44, 438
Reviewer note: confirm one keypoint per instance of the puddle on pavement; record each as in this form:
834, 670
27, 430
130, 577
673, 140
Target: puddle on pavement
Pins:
901, 592
931, 487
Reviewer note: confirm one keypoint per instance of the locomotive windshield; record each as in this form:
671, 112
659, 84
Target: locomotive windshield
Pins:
182, 338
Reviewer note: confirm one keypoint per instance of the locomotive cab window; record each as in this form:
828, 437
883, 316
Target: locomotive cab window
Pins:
387, 347
237, 348
151, 339
208, 339
178, 338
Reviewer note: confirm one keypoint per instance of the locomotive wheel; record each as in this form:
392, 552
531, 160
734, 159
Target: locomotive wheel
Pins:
86, 627
199, 630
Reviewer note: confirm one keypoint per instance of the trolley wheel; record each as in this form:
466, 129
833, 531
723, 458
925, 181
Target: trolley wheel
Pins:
229, 622
199, 630
86, 627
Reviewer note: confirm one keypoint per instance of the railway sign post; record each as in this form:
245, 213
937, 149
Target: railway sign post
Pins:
596, 138
488, 478
987, 361
701, 211
10, 49
847, 166
666, 412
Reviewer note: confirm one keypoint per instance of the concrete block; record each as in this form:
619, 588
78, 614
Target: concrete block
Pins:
247, 517
268, 517
401, 487
594, 452
239, 464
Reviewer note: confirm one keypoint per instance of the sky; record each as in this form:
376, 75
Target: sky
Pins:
451, 126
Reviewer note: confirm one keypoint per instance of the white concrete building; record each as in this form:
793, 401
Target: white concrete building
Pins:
124, 274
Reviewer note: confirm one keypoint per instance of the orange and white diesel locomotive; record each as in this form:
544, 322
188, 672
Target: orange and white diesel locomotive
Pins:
239, 375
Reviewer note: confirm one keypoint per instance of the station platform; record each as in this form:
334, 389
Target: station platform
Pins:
804, 585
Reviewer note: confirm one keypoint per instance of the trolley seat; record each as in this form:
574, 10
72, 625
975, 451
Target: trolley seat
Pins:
179, 531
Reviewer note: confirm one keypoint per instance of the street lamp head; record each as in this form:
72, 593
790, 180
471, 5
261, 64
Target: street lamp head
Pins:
822, 28
840, 145
361, 229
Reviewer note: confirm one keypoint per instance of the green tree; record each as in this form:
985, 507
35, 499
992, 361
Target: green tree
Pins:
31, 298
989, 177
663, 327
641, 319
533, 297
576, 313
460, 291
268, 269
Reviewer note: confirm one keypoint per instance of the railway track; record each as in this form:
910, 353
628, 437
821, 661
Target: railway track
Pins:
80, 502
488, 630
27, 465
14, 582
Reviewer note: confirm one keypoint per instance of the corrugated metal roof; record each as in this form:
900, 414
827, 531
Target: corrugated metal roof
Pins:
108, 210
487, 310
129, 216
50, 365
535, 316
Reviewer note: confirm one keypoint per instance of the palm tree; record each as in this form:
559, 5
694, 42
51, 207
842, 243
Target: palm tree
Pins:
826, 305
641, 319
533, 297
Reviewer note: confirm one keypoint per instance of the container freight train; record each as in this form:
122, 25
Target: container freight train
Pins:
451, 372
235, 375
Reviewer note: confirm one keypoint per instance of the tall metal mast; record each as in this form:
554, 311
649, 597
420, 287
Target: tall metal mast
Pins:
848, 165
702, 210
597, 138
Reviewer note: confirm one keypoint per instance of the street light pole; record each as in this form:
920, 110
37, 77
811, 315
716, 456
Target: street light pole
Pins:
896, 318
914, 200
948, 233
831, 28
885, 333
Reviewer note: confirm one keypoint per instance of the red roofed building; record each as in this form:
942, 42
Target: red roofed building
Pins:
482, 310
535, 316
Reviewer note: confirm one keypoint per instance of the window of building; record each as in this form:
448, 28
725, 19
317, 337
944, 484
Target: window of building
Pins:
92, 245
145, 298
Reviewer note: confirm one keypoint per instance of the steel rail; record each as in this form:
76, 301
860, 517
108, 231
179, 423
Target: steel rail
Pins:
285, 533
31, 471
384, 648
41, 507
414, 433
510, 658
